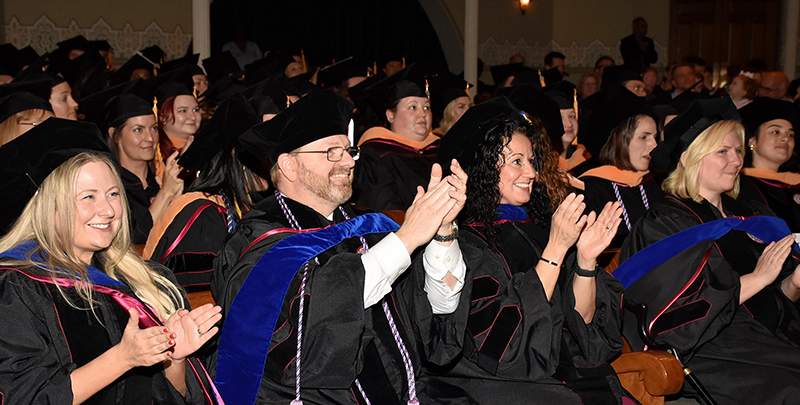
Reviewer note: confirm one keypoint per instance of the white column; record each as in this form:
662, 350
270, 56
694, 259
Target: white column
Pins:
201, 27
471, 45
790, 21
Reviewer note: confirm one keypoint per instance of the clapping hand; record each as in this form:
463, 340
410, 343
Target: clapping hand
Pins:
598, 233
192, 329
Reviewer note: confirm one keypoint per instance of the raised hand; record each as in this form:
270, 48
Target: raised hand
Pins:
568, 222
144, 347
425, 216
458, 180
767, 268
192, 329
597, 234
171, 183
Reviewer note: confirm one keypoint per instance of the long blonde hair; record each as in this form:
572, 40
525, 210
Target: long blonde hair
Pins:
54, 203
9, 129
684, 181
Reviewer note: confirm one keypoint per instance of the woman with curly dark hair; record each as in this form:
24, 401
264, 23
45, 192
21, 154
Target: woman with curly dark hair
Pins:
534, 326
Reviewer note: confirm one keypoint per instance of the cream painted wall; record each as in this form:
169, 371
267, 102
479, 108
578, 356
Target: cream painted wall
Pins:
126, 25
583, 21
168, 14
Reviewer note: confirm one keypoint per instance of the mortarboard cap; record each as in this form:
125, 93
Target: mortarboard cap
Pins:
125, 106
318, 115
682, 131
502, 72
530, 99
335, 75
21, 101
232, 118
134, 63
220, 65
409, 82
154, 53
445, 88
563, 93
619, 74
619, 105
94, 105
765, 109
190, 60
27, 160
463, 139
552, 76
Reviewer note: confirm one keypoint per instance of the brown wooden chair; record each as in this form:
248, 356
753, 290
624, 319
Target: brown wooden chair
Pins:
199, 298
649, 376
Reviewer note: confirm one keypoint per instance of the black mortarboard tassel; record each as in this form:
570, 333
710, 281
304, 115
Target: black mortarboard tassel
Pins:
682, 131
232, 118
27, 160
317, 115
461, 142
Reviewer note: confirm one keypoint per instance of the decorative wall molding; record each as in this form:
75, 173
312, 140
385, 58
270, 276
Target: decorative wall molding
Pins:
578, 57
43, 36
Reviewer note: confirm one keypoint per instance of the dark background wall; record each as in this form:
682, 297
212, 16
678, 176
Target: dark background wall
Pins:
331, 29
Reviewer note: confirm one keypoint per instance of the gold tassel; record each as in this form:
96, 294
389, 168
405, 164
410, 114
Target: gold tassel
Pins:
427, 89
374, 67
541, 79
404, 61
575, 107
110, 63
466, 90
155, 107
158, 162
194, 91
303, 58
334, 61
288, 102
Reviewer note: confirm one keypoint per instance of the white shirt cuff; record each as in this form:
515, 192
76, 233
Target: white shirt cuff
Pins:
438, 260
383, 263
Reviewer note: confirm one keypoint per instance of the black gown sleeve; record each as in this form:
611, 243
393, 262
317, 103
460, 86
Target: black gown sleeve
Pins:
35, 366
513, 331
599, 340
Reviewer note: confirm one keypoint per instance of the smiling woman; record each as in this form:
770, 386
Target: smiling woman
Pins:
726, 302
133, 135
102, 323
771, 168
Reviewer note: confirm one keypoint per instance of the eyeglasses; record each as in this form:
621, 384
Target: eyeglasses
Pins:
336, 153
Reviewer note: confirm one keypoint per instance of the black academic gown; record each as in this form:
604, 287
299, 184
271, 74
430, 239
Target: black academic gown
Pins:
743, 354
783, 199
519, 348
599, 191
190, 243
387, 174
43, 339
139, 199
342, 341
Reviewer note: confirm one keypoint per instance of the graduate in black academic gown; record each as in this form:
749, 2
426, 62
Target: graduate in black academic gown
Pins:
302, 260
770, 173
396, 159
85, 320
718, 291
543, 318
190, 233
630, 126
133, 135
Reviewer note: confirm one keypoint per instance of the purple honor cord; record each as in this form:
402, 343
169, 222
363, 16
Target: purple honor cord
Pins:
412, 392
622, 204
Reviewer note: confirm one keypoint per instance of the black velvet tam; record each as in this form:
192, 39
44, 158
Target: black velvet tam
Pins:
682, 131
462, 140
317, 115
766, 109
530, 99
233, 117
27, 160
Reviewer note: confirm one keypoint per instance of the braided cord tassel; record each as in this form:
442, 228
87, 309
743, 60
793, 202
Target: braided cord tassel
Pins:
622, 204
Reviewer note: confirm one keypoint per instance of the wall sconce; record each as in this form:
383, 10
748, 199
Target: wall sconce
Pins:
523, 5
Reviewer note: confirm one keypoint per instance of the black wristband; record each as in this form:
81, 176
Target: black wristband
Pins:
447, 238
586, 273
